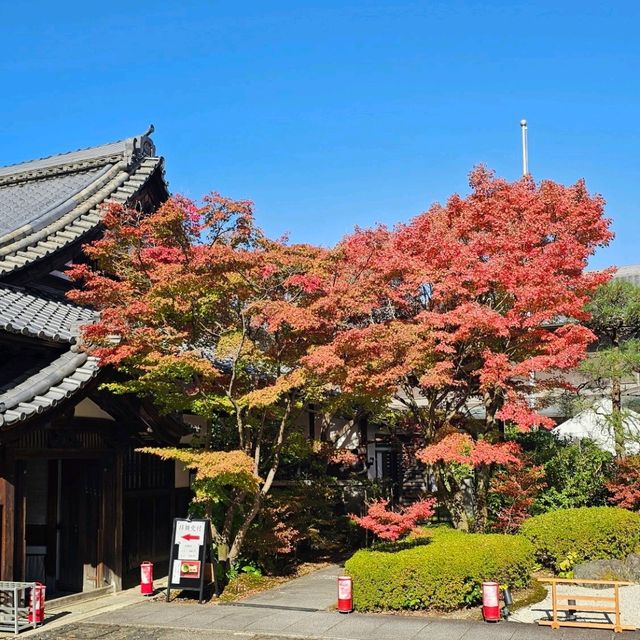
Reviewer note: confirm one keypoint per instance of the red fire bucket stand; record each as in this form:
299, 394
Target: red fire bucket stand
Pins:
491, 601
146, 578
36, 603
345, 594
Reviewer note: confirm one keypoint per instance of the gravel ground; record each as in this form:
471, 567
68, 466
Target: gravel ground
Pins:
629, 605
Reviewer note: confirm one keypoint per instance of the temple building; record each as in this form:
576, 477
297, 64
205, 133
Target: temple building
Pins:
79, 508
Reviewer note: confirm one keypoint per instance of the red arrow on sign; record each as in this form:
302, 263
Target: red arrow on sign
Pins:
190, 536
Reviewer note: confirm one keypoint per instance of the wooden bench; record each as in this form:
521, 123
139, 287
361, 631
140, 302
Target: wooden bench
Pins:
570, 602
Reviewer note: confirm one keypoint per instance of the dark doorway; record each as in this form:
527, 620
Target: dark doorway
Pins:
79, 524
388, 468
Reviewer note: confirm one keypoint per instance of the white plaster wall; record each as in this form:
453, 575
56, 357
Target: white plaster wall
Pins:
87, 408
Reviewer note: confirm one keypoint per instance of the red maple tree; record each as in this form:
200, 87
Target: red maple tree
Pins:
391, 525
466, 317
514, 490
625, 484
205, 315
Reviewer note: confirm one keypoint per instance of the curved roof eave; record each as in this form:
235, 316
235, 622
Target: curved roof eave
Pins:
47, 388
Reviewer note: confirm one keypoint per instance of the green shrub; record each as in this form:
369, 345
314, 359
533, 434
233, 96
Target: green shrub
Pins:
591, 533
445, 574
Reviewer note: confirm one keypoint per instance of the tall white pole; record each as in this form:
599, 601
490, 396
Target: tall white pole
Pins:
525, 150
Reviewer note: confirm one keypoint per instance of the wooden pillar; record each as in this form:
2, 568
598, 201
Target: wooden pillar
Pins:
20, 519
7, 524
118, 512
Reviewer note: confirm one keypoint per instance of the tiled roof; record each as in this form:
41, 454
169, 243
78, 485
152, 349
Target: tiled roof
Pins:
78, 222
46, 205
47, 387
23, 204
50, 203
39, 318
101, 154
36, 317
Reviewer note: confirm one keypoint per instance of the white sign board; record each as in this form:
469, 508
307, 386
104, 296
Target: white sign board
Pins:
175, 574
189, 532
188, 551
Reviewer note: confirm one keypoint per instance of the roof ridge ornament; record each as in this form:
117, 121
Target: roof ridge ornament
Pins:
140, 147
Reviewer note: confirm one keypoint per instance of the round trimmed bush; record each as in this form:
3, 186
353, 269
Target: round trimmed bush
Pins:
445, 574
592, 533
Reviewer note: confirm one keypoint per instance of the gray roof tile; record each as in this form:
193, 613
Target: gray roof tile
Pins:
101, 154
80, 220
29, 315
24, 204
45, 205
48, 387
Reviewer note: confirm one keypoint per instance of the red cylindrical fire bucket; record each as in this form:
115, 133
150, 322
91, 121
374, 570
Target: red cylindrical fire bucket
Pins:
36, 603
345, 594
491, 601
146, 578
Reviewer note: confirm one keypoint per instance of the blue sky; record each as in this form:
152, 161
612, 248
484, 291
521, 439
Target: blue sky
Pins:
332, 114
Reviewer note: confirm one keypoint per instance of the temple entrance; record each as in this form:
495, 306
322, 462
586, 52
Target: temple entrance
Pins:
79, 525
63, 523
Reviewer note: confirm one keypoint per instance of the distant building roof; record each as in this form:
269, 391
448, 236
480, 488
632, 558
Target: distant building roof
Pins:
630, 273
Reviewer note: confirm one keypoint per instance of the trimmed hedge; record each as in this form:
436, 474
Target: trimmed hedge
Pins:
593, 533
445, 574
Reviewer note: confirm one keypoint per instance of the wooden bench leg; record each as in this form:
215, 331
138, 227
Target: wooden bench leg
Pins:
554, 605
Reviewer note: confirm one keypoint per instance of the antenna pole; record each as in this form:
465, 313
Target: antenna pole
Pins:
525, 148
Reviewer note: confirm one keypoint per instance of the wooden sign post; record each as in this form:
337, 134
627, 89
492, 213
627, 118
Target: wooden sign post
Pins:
188, 557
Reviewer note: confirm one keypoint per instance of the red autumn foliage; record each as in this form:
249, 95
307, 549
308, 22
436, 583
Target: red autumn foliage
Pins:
274, 535
458, 309
516, 490
464, 297
344, 457
393, 525
204, 314
461, 448
625, 484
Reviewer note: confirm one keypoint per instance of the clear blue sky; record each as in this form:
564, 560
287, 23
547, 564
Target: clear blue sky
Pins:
333, 113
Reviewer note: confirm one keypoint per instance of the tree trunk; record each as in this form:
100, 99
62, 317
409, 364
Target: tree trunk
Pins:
459, 515
234, 552
452, 497
481, 507
617, 418
617, 425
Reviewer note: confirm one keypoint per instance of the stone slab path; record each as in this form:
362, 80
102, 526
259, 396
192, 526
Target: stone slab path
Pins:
316, 591
297, 609
157, 621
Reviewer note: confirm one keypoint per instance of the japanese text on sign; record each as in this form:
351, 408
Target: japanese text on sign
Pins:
189, 532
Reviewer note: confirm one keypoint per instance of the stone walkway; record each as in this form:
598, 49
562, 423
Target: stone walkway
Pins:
157, 621
316, 591
294, 610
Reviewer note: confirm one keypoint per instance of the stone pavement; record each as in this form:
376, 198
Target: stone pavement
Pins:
316, 591
219, 622
294, 610
135, 624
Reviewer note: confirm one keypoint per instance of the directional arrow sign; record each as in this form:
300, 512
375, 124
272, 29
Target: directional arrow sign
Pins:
188, 531
190, 536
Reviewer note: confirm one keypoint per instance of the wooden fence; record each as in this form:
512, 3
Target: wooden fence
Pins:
570, 602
